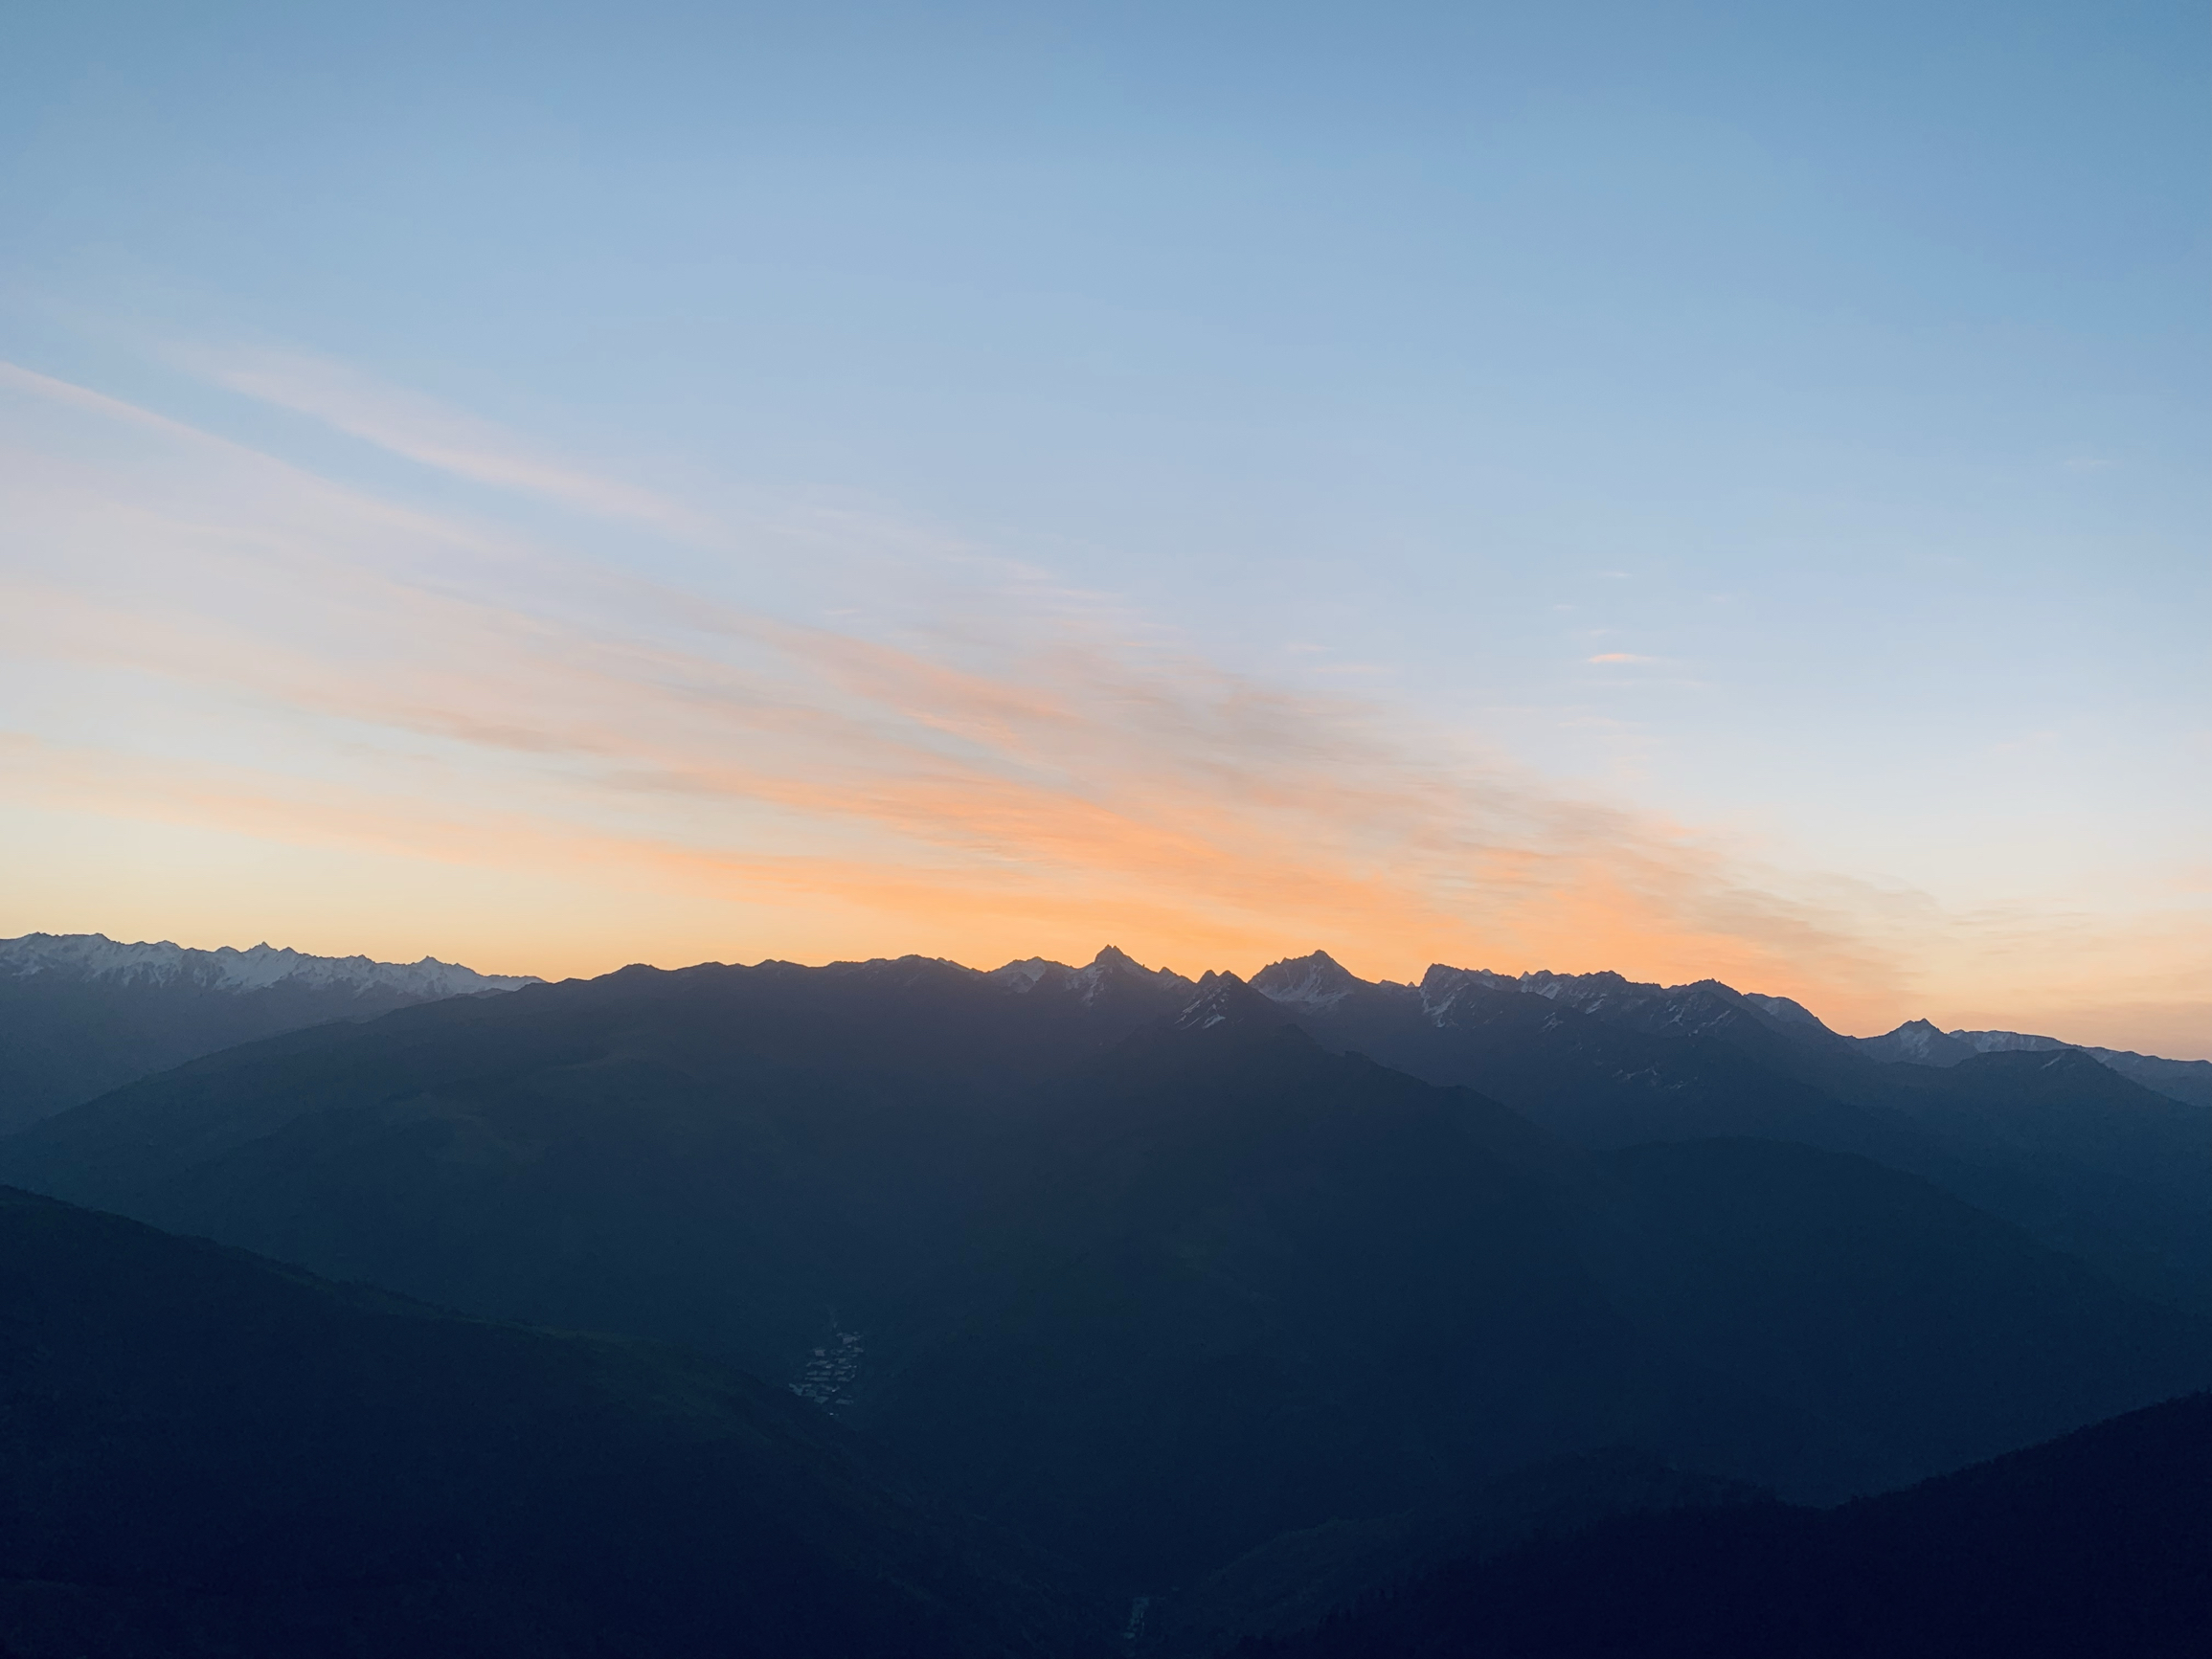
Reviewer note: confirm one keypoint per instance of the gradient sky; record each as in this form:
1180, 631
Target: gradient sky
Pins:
1684, 489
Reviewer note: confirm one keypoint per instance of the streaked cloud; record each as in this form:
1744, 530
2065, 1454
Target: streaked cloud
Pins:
206, 635
425, 431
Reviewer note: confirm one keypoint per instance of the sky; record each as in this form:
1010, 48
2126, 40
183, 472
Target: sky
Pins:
1693, 490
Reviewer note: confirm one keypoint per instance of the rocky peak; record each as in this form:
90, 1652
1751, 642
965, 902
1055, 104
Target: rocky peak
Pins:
1916, 1042
1224, 998
1315, 981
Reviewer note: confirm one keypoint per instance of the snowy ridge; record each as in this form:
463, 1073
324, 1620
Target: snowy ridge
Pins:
2002, 1042
1316, 985
89, 958
1442, 988
1705, 1007
1221, 997
1109, 969
1918, 1043
1317, 981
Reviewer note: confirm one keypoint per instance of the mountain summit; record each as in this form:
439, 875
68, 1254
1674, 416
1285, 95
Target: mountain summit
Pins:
1111, 973
1223, 998
1150, 1297
1316, 981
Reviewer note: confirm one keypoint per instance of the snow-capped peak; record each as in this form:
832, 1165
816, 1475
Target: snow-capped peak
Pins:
1088, 983
1221, 996
1915, 1043
1027, 975
1316, 981
95, 957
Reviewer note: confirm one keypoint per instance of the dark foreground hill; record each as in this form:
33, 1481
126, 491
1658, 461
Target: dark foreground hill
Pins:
204, 1454
1154, 1285
2099, 1543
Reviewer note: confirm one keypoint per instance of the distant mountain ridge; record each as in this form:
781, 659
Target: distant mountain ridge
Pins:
81, 1013
1313, 982
1708, 1006
86, 957
1701, 1008
1919, 1043
2094, 1161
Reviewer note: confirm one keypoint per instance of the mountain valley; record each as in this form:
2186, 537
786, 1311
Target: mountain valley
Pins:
1235, 1303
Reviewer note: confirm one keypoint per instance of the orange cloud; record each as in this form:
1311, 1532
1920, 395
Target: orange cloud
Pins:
290, 660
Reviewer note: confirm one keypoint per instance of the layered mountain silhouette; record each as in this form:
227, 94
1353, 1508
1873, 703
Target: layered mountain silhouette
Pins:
2098, 1543
81, 1013
1160, 1273
205, 1453
1919, 1043
2091, 1162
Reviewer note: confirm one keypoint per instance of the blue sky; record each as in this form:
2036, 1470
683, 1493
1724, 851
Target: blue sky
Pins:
1780, 428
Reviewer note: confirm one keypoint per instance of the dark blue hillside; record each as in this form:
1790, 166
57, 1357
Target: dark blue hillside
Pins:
2097, 1544
1138, 1269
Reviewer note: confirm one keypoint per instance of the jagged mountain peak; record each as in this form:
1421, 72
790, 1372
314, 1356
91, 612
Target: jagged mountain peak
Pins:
1544, 982
1916, 1042
1114, 962
1680, 1010
1111, 968
1225, 999
1027, 973
1594, 991
1315, 981
1442, 978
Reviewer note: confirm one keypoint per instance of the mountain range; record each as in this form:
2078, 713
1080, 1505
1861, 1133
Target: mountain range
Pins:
1920, 1043
81, 1013
1233, 1303
2056, 1141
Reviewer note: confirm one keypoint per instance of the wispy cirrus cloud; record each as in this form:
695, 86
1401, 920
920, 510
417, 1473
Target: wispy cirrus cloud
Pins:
256, 649
426, 431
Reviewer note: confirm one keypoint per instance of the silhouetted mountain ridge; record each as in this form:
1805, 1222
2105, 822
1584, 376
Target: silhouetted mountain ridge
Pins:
2113, 1171
1919, 1043
1152, 1274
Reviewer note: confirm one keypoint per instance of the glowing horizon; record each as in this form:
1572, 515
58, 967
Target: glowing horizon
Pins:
1712, 496
1030, 768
